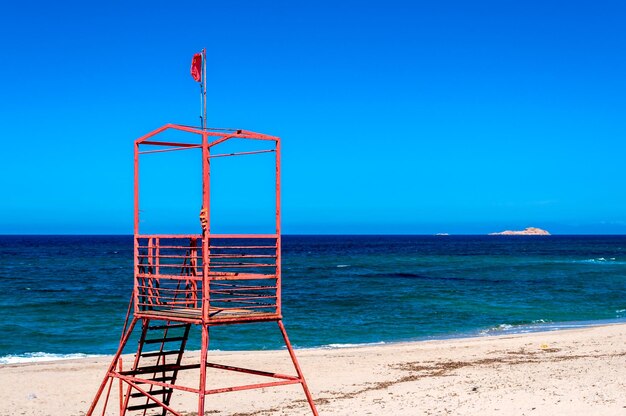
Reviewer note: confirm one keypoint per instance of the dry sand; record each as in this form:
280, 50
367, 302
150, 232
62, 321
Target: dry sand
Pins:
568, 372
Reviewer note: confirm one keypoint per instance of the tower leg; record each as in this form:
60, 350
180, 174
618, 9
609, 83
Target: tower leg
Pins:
203, 361
112, 366
309, 398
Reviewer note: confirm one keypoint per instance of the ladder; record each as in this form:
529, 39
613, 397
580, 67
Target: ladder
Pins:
161, 364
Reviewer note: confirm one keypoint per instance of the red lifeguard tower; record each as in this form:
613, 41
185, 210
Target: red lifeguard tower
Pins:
195, 280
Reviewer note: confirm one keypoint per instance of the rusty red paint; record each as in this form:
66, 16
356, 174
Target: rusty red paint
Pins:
200, 279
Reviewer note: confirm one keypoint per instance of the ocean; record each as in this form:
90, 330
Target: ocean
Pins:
67, 296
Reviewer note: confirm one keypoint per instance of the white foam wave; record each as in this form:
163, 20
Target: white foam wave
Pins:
602, 260
367, 344
343, 265
547, 325
495, 329
34, 357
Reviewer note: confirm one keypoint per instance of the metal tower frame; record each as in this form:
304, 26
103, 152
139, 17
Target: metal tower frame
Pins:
186, 280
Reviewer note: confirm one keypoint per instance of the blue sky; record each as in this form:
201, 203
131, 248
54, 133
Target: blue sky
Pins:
396, 117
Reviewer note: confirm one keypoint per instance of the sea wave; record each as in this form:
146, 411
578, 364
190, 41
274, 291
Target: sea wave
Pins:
601, 260
497, 329
33, 357
520, 328
595, 260
336, 346
541, 325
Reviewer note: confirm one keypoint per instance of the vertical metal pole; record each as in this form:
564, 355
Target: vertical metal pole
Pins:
136, 190
157, 256
151, 243
201, 106
120, 368
204, 124
278, 235
206, 237
206, 186
203, 360
136, 231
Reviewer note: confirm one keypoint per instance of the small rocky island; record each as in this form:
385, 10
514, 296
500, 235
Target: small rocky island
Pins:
527, 231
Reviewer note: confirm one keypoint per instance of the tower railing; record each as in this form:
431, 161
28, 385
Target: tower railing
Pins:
241, 277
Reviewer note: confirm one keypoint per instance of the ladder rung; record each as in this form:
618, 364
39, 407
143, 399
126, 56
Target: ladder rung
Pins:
158, 340
161, 379
159, 353
167, 326
161, 368
153, 393
152, 369
147, 381
143, 406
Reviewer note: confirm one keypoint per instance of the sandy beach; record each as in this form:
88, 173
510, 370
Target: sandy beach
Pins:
567, 372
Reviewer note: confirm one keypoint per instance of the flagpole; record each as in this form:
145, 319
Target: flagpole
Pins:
201, 103
204, 124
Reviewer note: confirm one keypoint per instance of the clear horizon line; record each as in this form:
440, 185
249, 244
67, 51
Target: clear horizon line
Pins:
338, 234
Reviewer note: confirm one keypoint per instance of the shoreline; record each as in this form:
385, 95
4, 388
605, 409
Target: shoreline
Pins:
570, 371
500, 330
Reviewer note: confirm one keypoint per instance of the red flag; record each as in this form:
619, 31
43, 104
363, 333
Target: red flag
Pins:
196, 67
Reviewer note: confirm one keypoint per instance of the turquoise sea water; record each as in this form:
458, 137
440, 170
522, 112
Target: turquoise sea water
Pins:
67, 295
